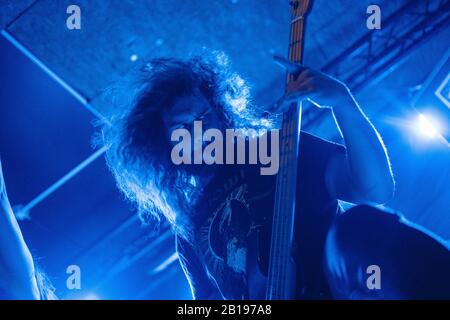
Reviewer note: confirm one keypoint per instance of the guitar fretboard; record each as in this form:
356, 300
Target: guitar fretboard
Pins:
280, 278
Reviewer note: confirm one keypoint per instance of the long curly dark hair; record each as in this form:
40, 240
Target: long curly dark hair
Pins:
139, 153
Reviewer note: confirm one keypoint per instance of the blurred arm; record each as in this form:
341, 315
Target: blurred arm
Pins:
17, 273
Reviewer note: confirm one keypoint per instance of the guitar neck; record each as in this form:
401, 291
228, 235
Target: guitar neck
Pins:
296, 42
281, 276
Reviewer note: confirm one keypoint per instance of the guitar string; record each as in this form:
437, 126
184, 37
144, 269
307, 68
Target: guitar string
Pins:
288, 157
290, 170
280, 205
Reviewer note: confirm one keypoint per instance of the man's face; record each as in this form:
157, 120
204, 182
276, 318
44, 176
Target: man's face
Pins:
188, 109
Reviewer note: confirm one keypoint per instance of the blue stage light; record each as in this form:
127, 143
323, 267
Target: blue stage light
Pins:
427, 126
91, 296
134, 57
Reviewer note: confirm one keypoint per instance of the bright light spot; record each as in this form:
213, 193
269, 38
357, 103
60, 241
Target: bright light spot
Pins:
427, 127
134, 57
91, 296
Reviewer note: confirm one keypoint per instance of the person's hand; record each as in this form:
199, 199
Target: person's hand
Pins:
315, 86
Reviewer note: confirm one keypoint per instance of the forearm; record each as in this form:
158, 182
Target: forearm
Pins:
366, 155
15, 258
364, 173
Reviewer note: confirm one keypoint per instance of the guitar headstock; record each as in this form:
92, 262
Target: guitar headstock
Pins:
299, 8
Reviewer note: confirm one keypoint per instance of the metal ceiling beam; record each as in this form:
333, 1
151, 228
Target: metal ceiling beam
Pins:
379, 52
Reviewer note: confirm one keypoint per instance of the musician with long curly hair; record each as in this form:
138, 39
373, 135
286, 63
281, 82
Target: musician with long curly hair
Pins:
221, 214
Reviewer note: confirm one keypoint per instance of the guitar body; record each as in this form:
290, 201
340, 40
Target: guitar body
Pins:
258, 264
245, 220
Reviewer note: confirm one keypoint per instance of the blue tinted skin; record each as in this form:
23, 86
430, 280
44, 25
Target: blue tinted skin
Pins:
182, 115
188, 109
17, 273
363, 173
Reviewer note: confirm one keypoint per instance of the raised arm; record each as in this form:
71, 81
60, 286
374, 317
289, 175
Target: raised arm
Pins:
363, 173
17, 273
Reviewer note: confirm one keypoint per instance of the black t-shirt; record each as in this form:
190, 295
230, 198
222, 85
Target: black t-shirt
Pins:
236, 208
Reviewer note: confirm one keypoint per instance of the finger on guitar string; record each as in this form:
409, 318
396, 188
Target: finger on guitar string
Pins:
291, 67
283, 104
301, 90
